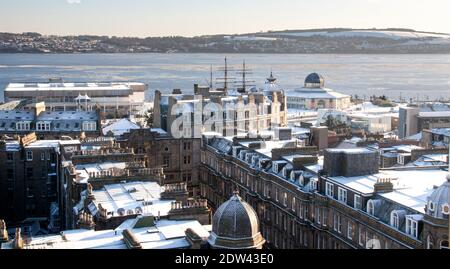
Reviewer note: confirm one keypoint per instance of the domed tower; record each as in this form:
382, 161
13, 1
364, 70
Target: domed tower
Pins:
235, 225
438, 205
437, 211
314, 80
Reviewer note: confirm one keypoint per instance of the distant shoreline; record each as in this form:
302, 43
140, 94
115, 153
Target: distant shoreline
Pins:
225, 52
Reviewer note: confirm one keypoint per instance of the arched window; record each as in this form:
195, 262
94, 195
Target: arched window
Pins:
431, 206
445, 209
395, 220
430, 242
371, 207
444, 244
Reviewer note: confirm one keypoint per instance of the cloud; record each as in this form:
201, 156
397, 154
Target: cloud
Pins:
74, 1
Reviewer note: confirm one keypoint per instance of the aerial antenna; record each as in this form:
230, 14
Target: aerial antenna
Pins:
244, 83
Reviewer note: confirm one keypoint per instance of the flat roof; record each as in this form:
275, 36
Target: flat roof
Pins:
269, 145
130, 196
72, 86
51, 143
434, 114
165, 234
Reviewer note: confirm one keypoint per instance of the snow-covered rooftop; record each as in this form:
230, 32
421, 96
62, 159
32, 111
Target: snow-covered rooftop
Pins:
411, 187
316, 93
68, 115
141, 197
78, 87
120, 127
165, 234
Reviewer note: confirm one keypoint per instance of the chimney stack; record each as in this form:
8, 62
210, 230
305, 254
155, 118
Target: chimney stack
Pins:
3, 232
18, 241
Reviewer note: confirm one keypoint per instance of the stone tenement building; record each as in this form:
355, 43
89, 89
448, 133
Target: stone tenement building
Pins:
305, 203
234, 226
48, 124
178, 157
252, 111
96, 167
30, 178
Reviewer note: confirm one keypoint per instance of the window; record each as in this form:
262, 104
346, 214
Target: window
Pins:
9, 156
275, 168
430, 243
431, 206
30, 193
445, 209
318, 216
166, 160
362, 237
411, 227
22, 126
187, 159
43, 126
187, 145
337, 225
329, 188
357, 202
325, 217
29, 172
293, 204
285, 198
29, 155
371, 207
43, 156
89, 126
342, 195
350, 230
395, 219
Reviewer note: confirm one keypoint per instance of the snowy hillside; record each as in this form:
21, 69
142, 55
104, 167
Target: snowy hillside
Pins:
369, 33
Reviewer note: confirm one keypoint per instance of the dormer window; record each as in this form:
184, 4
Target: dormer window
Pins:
412, 226
342, 195
292, 177
371, 207
43, 126
301, 180
431, 206
446, 209
329, 189
254, 160
275, 168
395, 220
248, 157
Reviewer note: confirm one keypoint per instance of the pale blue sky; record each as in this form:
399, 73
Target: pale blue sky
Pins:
197, 17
